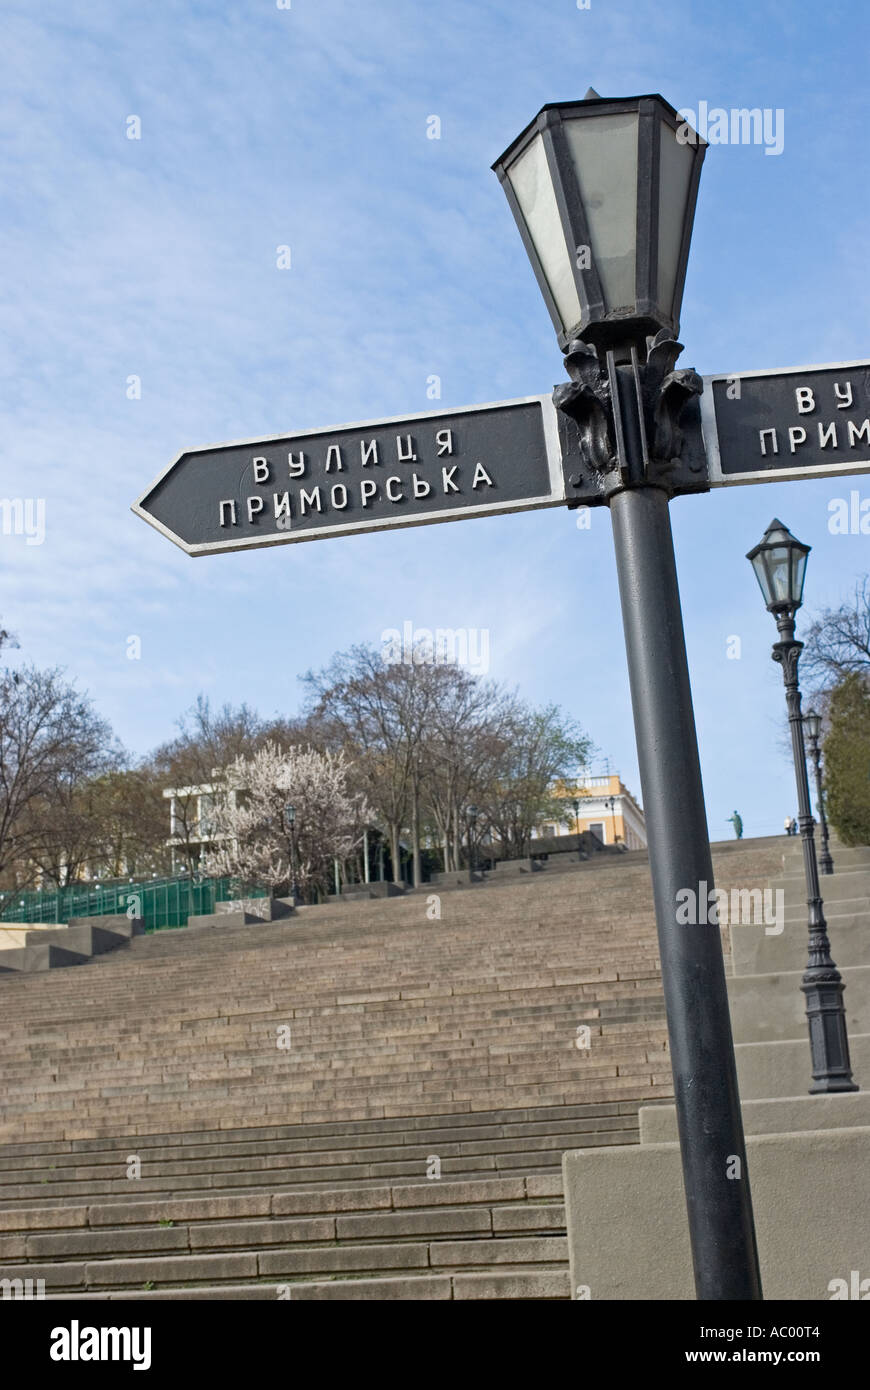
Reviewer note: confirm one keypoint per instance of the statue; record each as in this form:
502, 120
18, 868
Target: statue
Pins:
737, 822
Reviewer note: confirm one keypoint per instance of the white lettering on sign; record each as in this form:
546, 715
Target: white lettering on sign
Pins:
368, 452
857, 432
827, 434
444, 440
333, 455
296, 467
773, 439
261, 470
338, 497
232, 506
447, 479
307, 500
406, 451
807, 400
796, 435
481, 476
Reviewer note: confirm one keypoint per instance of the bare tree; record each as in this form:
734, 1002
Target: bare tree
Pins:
426, 738
468, 718
538, 749
838, 642
376, 712
52, 743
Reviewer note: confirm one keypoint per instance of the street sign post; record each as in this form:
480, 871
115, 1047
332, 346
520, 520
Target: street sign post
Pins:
629, 431
405, 471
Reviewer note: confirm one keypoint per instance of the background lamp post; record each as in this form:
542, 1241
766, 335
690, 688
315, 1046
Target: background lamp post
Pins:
290, 820
603, 193
780, 562
813, 726
611, 802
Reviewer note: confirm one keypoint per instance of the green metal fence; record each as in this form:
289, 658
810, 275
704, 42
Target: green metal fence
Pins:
159, 903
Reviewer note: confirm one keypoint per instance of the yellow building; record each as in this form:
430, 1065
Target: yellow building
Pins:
604, 806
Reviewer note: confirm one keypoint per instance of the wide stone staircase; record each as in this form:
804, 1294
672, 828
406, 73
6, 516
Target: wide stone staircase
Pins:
370, 1100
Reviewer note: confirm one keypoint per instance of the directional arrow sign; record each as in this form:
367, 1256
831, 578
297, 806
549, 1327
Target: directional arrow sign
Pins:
406, 471
801, 422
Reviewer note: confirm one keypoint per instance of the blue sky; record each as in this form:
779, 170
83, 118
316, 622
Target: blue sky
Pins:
307, 127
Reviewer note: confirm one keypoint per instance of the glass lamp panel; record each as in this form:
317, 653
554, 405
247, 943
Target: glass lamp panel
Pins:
778, 562
759, 568
675, 173
603, 152
814, 724
799, 569
529, 177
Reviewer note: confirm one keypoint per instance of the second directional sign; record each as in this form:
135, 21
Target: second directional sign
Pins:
804, 422
408, 471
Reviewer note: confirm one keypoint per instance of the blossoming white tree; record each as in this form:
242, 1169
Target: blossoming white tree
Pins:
257, 839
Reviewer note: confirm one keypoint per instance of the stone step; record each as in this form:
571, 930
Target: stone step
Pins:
286, 1163
361, 1243
516, 1284
754, 951
221, 1154
513, 1191
768, 1008
850, 883
488, 1253
426, 1122
339, 1174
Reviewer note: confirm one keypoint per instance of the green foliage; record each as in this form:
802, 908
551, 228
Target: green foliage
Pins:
847, 761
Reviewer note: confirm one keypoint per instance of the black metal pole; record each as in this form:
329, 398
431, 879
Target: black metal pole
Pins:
693, 973
294, 886
826, 863
822, 983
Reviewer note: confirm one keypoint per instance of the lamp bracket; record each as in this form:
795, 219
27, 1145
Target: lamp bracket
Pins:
587, 400
629, 423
